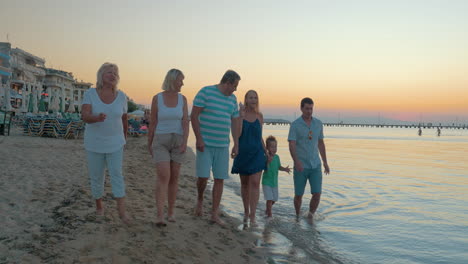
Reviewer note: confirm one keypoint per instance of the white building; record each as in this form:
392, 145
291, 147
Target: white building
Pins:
59, 83
27, 76
79, 89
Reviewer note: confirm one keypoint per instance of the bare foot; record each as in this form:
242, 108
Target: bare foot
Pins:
125, 219
310, 217
171, 219
199, 209
217, 220
246, 219
253, 223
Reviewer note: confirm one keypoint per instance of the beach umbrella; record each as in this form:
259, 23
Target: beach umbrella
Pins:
53, 102
35, 108
61, 105
71, 107
24, 101
30, 103
42, 107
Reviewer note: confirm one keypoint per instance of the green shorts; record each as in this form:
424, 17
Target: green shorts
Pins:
215, 159
315, 180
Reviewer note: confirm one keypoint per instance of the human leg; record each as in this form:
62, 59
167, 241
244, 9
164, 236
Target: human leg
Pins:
315, 180
244, 179
96, 167
172, 190
254, 193
163, 171
314, 203
218, 187
114, 165
299, 186
203, 167
269, 205
220, 173
201, 186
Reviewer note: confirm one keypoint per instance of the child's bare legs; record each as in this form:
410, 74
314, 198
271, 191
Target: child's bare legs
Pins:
99, 207
269, 205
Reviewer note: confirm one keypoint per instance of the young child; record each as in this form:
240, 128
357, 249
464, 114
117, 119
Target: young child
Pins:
270, 175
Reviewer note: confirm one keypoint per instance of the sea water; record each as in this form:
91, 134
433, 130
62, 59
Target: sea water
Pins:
391, 197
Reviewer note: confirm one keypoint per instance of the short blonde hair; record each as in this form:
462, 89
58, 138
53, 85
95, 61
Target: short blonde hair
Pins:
171, 76
100, 73
257, 108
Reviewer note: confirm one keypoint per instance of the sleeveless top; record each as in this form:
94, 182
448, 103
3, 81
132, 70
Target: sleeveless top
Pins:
251, 158
170, 118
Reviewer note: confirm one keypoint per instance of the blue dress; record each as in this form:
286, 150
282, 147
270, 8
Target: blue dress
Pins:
251, 158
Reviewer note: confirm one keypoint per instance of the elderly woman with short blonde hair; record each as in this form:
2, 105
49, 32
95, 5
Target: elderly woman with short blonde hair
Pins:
104, 111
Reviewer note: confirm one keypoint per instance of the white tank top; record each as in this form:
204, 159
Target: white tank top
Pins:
170, 118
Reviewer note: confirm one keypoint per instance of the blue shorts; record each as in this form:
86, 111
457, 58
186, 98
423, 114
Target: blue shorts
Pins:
315, 180
215, 159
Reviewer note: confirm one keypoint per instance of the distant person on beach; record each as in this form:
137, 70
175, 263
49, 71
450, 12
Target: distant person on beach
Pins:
146, 118
270, 175
105, 112
438, 131
167, 141
419, 131
305, 143
214, 113
252, 157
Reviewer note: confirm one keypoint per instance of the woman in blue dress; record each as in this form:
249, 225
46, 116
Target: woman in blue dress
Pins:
252, 157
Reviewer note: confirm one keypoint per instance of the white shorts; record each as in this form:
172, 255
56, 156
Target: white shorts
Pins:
270, 193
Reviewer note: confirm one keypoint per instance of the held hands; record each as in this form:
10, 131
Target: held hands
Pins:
268, 156
287, 169
327, 169
235, 151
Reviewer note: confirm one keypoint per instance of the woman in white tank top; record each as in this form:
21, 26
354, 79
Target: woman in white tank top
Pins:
167, 141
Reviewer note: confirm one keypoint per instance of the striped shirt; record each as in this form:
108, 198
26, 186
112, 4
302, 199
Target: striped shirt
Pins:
215, 118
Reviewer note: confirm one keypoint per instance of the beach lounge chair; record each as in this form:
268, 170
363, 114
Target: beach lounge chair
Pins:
74, 129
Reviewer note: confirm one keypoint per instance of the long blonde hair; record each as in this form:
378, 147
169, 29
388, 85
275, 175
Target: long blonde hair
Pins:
257, 108
100, 73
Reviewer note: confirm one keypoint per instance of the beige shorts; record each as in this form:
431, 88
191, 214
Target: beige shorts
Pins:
166, 148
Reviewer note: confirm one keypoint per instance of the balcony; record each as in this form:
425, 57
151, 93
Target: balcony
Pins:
26, 67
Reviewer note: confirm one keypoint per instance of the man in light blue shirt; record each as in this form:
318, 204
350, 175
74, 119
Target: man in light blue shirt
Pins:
305, 143
214, 114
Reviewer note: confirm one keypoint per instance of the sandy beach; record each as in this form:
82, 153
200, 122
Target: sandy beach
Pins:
47, 214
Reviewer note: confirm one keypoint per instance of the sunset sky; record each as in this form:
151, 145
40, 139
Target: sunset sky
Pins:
400, 59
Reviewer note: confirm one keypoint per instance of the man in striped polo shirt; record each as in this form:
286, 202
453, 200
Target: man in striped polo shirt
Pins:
214, 114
